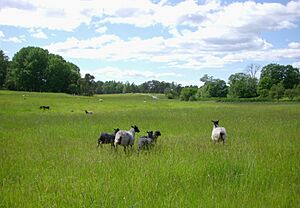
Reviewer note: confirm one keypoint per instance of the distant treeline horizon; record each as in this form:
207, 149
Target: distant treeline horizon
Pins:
35, 69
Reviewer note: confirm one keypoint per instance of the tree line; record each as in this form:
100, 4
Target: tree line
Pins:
35, 69
276, 81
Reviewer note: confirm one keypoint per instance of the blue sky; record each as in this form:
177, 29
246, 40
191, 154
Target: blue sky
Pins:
166, 40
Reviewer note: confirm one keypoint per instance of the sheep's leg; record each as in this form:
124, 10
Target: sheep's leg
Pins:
125, 149
99, 143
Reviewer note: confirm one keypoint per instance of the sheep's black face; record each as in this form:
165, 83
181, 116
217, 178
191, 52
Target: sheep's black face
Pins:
216, 123
116, 130
157, 133
136, 129
150, 133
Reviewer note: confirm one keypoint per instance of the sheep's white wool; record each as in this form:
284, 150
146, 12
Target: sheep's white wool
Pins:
127, 137
217, 132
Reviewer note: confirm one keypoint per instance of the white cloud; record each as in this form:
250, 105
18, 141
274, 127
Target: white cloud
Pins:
296, 64
101, 29
1, 34
294, 45
15, 39
222, 33
109, 73
38, 33
238, 16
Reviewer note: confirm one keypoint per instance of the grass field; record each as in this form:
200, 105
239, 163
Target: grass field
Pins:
50, 159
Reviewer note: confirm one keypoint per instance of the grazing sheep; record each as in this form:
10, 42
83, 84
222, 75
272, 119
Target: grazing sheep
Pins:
146, 141
107, 138
44, 107
156, 135
126, 138
88, 112
218, 133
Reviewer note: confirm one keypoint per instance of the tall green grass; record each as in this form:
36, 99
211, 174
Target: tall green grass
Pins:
50, 159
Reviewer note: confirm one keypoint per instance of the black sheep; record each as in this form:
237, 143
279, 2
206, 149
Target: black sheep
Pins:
107, 138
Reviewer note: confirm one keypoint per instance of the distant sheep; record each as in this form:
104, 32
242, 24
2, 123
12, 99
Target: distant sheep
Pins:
218, 133
107, 138
88, 112
126, 138
44, 107
146, 141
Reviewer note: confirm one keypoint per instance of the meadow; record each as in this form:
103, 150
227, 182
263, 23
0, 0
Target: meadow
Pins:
49, 158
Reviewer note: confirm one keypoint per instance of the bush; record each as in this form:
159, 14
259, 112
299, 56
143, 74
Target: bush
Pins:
277, 91
188, 94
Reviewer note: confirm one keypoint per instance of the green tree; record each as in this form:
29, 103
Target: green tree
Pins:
212, 87
273, 74
87, 85
277, 91
29, 67
292, 93
171, 93
57, 74
4, 63
188, 93
242, 86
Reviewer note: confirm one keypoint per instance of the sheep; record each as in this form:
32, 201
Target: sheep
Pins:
146, 141
107, 138
218, 133
44, 107
126, 138
88, 112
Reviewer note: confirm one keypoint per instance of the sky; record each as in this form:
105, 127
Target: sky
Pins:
165, 40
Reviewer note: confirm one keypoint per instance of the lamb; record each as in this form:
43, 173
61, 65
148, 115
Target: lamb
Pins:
218, 133
126, 138
88, 112
146, 141
107, 138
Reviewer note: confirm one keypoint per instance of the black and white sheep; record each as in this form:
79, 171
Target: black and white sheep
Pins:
218, 133
146, 141
88, 112
107, 138
126, 138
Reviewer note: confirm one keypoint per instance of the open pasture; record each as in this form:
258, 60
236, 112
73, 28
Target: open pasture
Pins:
48, 158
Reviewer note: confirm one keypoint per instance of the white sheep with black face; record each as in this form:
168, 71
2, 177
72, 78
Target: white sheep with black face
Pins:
88, 112
126, 138
218, 133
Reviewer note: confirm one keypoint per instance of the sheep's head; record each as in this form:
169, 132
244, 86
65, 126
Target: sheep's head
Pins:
150, 134
116, 130
157, 133
136, 129
216, 123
